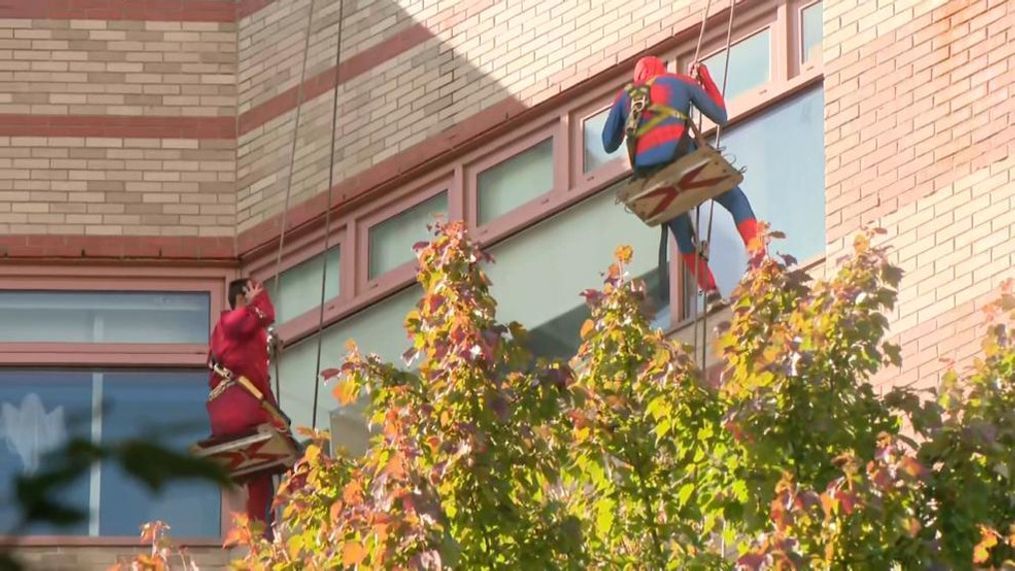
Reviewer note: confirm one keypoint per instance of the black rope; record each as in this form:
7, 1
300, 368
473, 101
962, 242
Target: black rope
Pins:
327, 215
289, 186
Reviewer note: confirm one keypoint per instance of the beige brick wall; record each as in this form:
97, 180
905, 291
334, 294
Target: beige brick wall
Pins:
98, 67
480, 53
57, 177
116, 186
919, 133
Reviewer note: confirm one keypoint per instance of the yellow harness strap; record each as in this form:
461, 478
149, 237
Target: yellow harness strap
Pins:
640, 103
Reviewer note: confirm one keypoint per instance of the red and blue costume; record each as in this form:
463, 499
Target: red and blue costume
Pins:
239, 345
668, 140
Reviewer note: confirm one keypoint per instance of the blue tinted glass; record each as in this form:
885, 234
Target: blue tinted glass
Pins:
749, 67
104, 317
784, 153
39, 412
167, 408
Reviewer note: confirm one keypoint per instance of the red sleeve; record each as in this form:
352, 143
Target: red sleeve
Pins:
709, 86
243, 322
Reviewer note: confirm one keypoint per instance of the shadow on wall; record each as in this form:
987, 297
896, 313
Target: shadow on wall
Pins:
401, 82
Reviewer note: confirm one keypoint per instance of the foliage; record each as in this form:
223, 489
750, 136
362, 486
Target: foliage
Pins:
163, 553
628, 457
150, 464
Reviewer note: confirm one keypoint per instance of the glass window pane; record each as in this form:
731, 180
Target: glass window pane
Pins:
571, 251
300, 289
783, 150
811, 32
512, 183
595, 155
391, 241
377, 329
167, 408
749, 68
39, 412
104, 317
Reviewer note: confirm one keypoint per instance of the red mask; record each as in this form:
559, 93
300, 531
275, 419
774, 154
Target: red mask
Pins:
647, 68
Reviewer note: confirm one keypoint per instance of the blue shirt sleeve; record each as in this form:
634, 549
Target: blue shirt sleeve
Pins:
613, 130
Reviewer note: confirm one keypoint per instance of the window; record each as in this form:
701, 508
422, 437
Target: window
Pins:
594, 155
539, 273
748, 68
103, 317
300, 287
811, 32
41, 409
514, 182
390, 242
783, 150
378, 329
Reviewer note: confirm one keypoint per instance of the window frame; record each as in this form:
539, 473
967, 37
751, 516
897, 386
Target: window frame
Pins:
106, 357
501, 154
799, 64
379, 214
564, 119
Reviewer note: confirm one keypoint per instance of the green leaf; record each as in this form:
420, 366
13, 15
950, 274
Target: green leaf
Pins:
685, 493
604, 516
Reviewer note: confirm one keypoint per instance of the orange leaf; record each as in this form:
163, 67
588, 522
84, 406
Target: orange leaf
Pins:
395, 467
623, 254
587, 328
353, 553
351, 492
345, 392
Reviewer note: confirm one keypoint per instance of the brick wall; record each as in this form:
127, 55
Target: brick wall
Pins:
920, 125
116, 123
102, 558
411, 71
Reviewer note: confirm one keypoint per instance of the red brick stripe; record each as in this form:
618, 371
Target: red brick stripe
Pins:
386, 174
143, 10
246, 8
323, 82
117, 126
116, 247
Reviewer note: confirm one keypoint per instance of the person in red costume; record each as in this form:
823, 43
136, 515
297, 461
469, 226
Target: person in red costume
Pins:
240, 349
663, 138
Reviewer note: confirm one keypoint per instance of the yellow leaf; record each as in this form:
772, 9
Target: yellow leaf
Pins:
623, 254
353, 553
587, 328
345, 392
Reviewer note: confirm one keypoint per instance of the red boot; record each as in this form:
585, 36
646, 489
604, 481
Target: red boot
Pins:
701, 271
748, 230
259, 498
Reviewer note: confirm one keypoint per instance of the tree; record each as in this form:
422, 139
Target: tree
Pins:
627, 458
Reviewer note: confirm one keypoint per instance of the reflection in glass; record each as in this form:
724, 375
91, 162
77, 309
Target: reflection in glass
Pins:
167, 408
749, 67
512, 183
812, 33
539, 273
783, 150
378, 329
300, 289
103, 317
40, 411
594, 155
391, 241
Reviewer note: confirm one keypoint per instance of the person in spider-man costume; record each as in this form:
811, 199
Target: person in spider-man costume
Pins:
240, 348
663, 139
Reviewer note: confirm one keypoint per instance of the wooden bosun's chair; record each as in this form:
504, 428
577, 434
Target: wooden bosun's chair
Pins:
266, 449
680, 186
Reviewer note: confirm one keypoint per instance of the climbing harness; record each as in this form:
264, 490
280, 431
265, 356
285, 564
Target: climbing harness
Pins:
660, 195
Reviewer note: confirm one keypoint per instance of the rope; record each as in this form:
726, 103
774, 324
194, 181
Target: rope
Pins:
697, 209
288, 182
327, 216
711, 204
